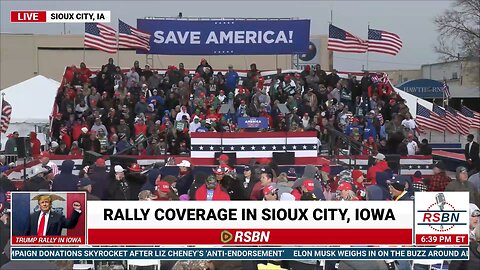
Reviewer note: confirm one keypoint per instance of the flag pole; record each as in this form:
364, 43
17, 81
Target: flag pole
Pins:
118, 47
2, 96
368, 27
331, 16
84, 42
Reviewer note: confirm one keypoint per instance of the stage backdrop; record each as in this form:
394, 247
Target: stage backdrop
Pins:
226, 37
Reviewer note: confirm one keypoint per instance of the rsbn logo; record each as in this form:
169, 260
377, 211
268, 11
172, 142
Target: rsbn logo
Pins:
441, 216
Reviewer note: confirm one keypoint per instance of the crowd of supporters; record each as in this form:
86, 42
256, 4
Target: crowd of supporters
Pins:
142, 112
111, 111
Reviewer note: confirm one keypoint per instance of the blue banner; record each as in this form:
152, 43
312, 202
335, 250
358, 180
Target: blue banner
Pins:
226, 37
253, 122
237, 253
423, 88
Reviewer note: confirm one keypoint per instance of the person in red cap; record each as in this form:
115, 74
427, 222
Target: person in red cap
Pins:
44, 158
346, 192
270, 193
100, 178
417, 182
370, 147
165, 192
135, 180
211, 191
358, 178
307, 187
223, 160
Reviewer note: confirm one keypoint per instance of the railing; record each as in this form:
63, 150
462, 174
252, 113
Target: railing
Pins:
338, 137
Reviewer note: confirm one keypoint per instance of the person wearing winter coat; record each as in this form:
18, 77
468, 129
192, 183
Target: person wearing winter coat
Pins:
35, 144
66, 180
100, 178
211, 191
118, 188
380, 166
37, 180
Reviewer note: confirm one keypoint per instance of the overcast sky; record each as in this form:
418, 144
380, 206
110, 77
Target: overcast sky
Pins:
411, 20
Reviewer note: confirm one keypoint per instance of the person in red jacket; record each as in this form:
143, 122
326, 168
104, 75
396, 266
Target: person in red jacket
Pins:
85, 73
380, 166
211, 191
140, 127
35, 143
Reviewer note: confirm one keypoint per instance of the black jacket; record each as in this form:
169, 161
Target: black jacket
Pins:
101, 180
56, 222
233, 187
65, 180
473, 152
118, 190
135, 181
184, 183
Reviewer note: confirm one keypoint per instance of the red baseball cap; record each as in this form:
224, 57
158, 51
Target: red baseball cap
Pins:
309, 184
45, 154
100, 162
345, 186
163, 186
268, 190
356, 174
135, 167
223, 157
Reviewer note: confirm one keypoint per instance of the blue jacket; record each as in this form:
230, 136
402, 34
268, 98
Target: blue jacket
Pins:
65, 181
369, 130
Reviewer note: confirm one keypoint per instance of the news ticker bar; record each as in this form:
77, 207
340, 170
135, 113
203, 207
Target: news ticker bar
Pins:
237, 253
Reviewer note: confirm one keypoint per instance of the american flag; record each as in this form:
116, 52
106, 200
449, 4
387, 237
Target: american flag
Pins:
474, 116
451, 116
439, 117
425, 119
383, 42
249, 145
463, 122
131, 37
446, 90
340, 40
100, 37
6, 115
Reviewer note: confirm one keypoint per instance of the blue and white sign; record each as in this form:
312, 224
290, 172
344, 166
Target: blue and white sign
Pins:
253, 122
226, 37
423, 88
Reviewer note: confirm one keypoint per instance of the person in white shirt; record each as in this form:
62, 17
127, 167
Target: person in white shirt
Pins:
409, 123
183, 111
195, 124
412, 146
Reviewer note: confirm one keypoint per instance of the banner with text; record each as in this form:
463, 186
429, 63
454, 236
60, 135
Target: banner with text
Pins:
226, 37
250, 222
252, 122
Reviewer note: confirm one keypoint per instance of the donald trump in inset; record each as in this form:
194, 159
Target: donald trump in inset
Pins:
47, 222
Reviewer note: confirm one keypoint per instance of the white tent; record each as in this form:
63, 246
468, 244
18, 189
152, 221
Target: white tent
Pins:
32, 102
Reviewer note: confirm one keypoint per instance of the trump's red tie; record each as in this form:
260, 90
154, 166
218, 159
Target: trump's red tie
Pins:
41, 227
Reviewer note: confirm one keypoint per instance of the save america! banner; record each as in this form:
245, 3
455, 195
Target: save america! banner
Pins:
226, 37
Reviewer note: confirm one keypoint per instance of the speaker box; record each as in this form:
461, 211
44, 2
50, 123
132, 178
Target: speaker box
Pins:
24, 149
284, 158
89, 158
232, 158
124, 161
